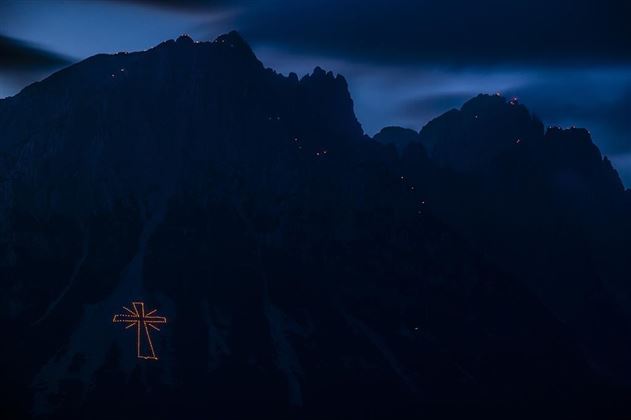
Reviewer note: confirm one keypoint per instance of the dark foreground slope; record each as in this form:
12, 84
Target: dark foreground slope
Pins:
305, 269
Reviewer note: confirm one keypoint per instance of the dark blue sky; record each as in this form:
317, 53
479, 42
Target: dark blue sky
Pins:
406, 61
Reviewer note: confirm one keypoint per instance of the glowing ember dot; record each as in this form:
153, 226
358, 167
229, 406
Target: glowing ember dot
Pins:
518, 141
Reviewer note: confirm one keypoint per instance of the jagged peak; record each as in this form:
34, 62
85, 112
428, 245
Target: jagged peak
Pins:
482, 129
574, 148
396, 129
575, 143
494, 102
233, 39
184, 39
399, 137
321, 74
576, 132
485, 99
394, 133
485, 109
571, 137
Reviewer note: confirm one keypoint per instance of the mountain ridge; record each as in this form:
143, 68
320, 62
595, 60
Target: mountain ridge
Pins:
305, 268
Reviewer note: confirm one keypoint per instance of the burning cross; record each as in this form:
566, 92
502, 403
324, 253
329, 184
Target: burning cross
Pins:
142, 321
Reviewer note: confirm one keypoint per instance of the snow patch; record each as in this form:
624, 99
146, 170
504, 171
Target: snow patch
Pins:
286, 357
380, 344
95, 333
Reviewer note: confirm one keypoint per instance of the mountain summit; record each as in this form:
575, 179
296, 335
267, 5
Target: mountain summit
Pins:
306, 270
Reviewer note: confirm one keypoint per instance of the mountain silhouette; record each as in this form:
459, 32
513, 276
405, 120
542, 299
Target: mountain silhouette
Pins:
476, 268
399, 137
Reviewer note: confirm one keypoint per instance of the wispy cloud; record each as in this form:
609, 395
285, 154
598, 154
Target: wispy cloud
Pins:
20, 55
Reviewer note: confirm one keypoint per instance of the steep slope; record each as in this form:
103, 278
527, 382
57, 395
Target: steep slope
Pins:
546, 207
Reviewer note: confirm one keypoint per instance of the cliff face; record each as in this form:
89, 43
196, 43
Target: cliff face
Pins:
546, 207
127, 122
304, 268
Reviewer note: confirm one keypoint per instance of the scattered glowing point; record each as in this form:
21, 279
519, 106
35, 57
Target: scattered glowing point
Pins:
142, 321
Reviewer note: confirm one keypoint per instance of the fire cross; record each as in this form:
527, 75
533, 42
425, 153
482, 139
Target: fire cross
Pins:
142, 321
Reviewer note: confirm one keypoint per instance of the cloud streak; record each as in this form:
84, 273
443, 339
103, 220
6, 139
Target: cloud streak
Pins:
187, 5
450, 32
16, 55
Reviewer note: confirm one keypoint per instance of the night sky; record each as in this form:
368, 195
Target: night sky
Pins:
406, 61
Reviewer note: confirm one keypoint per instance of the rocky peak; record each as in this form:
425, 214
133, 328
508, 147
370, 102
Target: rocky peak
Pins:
399, 137
572, 151
485, 127
184, 39
233, 40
